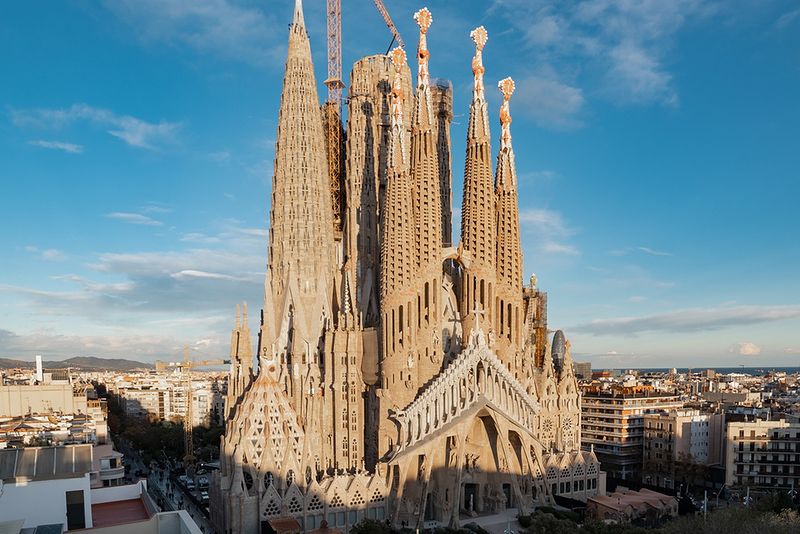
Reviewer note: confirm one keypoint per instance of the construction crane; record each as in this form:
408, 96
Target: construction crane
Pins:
332, 114
392, 28
185, 367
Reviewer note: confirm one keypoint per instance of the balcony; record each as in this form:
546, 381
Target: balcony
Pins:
112, 473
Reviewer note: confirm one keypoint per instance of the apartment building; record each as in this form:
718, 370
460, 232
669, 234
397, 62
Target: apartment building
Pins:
166, 397
54, 489
612, 424
679, 444
763, 454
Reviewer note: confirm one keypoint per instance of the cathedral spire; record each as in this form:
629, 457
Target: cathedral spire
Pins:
396, 243
298, 19
509, 253
301, 246
478, 238
425, 164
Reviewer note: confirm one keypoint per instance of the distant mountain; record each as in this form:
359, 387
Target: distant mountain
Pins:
80, 362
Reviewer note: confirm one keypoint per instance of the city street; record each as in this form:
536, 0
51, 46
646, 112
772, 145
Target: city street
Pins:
162, 488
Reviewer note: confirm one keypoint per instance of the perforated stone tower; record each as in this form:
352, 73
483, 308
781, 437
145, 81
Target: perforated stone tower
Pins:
399, 377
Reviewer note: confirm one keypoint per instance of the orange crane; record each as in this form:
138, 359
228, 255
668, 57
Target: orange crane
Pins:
392, 28
332, 113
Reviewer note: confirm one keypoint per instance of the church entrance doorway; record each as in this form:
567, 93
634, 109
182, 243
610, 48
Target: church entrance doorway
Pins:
470, 497
507, 492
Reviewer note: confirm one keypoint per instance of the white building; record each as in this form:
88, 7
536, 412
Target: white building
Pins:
52, 486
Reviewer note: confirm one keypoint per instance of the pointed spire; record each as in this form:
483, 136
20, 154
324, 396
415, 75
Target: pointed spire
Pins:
423, 19
298, 19
479, 36
509, 251
396, 236
397, 97
506, 86
238, 321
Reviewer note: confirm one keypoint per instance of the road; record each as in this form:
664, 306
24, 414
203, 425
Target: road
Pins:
161, 487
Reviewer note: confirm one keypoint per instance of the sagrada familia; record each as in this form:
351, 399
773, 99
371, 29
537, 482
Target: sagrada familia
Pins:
400, 377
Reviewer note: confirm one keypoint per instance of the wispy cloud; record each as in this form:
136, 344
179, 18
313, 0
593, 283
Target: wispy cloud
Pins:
142, 347
549, 232
626, 42
647, 250
549, 102
134, 218
691, 320
551, 247
745, 348
545, 222
50, 254
133, 131
220, 27
72, 148
653, 252
787, 18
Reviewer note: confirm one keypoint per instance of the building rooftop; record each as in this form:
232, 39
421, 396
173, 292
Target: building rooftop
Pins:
113, 513
43, 463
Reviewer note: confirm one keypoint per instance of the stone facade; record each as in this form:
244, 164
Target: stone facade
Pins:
399, 377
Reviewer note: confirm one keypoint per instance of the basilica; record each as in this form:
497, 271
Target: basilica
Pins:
399, 376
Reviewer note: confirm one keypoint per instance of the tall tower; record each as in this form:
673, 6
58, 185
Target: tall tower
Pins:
241, 361
398, 364
478, 218
509, 313
428, 214
302, 261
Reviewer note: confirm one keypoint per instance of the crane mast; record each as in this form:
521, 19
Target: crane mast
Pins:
332, 113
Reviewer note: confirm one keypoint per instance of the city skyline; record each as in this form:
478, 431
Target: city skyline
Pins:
137, 183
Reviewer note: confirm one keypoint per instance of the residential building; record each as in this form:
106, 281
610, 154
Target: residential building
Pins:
679, 444
763, 454
50, 489
583, 370
612, 424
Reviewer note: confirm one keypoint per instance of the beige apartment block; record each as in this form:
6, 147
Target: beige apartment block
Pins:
612, 425
400, 377
763, 454
679, 444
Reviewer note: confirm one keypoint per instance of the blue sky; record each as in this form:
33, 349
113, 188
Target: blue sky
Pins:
658, 148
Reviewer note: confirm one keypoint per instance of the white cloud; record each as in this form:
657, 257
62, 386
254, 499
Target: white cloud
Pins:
643, 79
551, 247
71, 148
549, 102
134, 131
50, 254
791, 350
221, 27
191, 273
545, 222
652, 252
746, 348
134, 218
626, 42
143, 347
691, 320
787, 18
